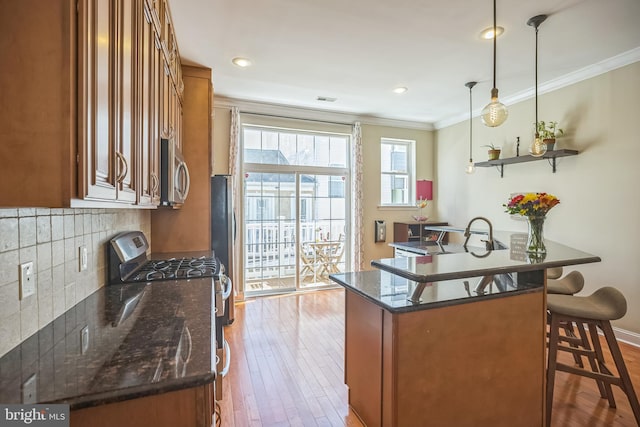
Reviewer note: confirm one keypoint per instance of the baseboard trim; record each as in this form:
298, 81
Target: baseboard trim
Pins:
628, 337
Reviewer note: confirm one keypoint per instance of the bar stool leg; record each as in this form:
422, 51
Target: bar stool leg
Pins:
568, 328
593, 331
622, 369
554, 332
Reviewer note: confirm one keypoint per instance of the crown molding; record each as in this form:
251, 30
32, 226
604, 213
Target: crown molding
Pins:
312, 114
604, 66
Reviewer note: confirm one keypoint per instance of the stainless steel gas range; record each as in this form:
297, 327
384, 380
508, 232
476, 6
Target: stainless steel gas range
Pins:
128, 262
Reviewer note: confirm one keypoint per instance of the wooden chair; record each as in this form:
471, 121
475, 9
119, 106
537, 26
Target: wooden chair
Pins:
589, 313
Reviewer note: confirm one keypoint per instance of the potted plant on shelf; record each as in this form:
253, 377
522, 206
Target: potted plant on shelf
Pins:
548, 133
494, 152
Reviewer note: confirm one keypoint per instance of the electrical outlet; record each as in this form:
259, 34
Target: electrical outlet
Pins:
84, 339
30, 390
83, 258
27, 280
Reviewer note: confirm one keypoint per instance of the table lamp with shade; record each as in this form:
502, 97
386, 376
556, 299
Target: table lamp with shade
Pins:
424, 192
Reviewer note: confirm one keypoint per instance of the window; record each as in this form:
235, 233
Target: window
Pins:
397, 168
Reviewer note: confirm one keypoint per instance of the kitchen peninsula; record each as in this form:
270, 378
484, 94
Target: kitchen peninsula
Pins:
425, 345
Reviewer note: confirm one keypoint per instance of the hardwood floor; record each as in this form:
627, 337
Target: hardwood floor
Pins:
287, 369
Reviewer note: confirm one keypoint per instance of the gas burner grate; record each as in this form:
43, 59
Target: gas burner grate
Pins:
173, 268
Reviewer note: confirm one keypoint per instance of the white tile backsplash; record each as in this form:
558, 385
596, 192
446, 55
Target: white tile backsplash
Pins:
44, 256
27, 231
69, 226
10, 237
57, 227
43, 231
9, 262
50, 238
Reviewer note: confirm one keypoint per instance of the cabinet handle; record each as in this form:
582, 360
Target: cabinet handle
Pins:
182, 180
125, 167
155, 184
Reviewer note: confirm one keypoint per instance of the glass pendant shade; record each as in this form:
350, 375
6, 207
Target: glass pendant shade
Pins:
470, 168
494, 113
537, 148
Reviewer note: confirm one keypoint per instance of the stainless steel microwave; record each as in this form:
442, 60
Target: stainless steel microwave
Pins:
174, 175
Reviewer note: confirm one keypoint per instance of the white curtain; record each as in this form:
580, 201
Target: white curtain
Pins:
357, 228
235, 170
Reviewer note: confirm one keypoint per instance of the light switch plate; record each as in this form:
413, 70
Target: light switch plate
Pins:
84, 339
83, 258
27, 280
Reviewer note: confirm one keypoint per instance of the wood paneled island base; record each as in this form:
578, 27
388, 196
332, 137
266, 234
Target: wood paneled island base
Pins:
479, 364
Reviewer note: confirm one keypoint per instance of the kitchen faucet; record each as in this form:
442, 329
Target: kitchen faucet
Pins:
467, 233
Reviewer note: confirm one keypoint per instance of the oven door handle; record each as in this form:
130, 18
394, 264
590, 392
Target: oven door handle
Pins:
226, 292
227, 358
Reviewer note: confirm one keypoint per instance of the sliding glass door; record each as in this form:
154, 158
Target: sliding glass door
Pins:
295, 209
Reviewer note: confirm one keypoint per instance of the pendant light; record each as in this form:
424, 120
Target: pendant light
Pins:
495, 113
537, 148
470, 166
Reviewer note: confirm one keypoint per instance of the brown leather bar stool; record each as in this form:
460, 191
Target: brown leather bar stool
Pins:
554, 272
570, 284
594, 311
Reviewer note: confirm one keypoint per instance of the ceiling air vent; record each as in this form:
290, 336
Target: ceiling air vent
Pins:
326, 99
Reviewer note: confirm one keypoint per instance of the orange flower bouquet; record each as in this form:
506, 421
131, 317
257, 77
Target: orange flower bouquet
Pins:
535, 207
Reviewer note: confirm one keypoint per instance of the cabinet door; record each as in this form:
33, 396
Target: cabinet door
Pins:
97, 174
148, 181
176, 116
126, 123
156, 116
166, 100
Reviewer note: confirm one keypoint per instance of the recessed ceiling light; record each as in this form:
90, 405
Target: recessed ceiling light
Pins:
487, 33
241, 62
326, 99
401, 89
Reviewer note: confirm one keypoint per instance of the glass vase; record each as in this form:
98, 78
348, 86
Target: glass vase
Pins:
535, 239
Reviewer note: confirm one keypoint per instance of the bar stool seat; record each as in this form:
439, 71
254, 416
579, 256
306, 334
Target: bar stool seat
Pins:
570, 284
554, 272
593, 312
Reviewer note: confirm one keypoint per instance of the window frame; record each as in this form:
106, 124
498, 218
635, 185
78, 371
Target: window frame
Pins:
410, 172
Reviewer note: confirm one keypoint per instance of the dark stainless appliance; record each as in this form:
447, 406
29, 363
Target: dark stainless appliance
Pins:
223, 231
128, 262
174, 175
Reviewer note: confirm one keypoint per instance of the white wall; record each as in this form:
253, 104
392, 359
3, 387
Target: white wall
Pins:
371, 136
598, 189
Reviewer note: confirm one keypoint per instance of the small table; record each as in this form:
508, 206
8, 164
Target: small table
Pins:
328, 254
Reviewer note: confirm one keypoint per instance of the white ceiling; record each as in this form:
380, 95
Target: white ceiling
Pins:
358, 50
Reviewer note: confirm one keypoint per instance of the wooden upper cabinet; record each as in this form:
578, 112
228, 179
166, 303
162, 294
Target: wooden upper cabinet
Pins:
149, 91
107, 121
95, 113
92, 138
37, 105
127, 120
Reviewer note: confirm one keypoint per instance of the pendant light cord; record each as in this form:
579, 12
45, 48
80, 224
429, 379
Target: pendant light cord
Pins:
536, 27
495, 37
470, 125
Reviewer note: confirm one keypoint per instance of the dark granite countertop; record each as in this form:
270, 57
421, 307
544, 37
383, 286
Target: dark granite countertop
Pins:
459, 264
392, 292
103, 350
439, 277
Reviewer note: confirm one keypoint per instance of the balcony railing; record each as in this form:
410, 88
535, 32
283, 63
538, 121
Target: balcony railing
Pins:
271, 247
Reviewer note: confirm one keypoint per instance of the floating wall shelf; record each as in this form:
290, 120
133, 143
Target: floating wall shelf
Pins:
549, 155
